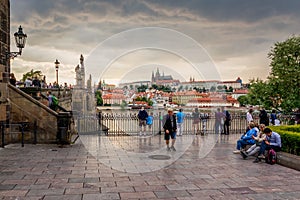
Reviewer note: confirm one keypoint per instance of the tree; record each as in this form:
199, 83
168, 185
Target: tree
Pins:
243, 100
32, 74
99, 99
142, 88
281, 90
212, 89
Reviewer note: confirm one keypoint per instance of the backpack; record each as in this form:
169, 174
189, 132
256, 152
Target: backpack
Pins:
54, 100
271, 157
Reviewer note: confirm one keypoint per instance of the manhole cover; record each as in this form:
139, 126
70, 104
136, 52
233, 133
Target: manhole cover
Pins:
160, 157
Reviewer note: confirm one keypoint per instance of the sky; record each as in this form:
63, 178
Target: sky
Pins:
126, 40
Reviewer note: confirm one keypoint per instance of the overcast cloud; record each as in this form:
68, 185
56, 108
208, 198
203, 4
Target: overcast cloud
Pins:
236, 34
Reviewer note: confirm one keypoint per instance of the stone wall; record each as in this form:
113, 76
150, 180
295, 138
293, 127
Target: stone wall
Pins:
4, 62
24, 108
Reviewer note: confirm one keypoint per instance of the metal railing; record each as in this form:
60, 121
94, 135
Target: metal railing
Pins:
127, 123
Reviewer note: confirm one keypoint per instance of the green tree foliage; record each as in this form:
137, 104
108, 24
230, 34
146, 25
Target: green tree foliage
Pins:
99, 99
142, 88
281, 90
212, 89
32, 74
243, 100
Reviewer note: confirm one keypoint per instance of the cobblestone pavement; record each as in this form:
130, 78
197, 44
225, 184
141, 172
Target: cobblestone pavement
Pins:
49, 172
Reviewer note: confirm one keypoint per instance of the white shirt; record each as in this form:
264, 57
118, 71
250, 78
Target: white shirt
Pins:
249, 117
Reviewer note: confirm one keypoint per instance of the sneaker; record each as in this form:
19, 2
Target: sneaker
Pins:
256, 160
244, 154
236, 152
173, 148
261, 156
168, 149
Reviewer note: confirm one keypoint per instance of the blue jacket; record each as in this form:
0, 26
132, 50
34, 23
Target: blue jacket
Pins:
248, 136
180, 117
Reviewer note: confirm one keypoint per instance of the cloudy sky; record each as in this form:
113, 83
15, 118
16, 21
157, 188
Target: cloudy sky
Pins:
128, 39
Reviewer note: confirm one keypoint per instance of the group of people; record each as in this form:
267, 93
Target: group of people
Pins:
172, 124
260, 138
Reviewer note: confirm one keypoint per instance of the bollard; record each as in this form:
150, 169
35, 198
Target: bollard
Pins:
22, 129
2, 132
35, 132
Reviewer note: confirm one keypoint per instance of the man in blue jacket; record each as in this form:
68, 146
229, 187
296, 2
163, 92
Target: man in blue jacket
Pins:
273, 141
246, 139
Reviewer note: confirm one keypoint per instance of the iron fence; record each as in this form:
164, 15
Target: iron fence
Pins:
127, 123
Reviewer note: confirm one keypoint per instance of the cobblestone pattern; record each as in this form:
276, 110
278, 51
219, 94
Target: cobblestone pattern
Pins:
47, 172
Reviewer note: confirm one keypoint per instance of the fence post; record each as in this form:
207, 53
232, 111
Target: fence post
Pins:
159, 123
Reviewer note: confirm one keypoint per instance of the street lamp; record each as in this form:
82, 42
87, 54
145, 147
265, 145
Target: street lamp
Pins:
20, 39
56, 68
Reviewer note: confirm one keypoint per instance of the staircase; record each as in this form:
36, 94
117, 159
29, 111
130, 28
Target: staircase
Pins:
40, 123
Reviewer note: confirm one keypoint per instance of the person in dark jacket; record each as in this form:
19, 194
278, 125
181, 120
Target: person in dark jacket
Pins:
143, 115
263, 117
170, 129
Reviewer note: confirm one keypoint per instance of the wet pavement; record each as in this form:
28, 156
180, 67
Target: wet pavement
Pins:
203, 167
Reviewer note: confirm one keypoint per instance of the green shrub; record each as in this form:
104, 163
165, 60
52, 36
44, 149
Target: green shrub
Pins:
290, 138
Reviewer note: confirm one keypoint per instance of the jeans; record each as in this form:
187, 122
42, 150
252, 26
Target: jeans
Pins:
179, 128
264, 147
241, 144
253, 150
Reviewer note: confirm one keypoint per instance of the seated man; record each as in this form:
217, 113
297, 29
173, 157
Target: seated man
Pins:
247, 138
272, 141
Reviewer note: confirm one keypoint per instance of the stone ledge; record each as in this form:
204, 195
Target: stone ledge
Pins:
288, 160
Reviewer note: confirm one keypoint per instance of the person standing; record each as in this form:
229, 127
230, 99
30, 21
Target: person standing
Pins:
180, 117
142, 115
50, 100
149, 121
273, 117
12, 79
227, 122
249, 115
196, 120
28, 82
263, 117
170, 128
218, 123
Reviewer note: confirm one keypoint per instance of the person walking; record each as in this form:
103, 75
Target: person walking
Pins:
180, 118
142, 115
170, 128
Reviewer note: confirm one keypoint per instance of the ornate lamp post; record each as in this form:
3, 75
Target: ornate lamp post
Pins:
56, 63
20, 39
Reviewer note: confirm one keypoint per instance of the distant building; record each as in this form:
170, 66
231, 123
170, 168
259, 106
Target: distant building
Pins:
158, 77
161, 79
241, 92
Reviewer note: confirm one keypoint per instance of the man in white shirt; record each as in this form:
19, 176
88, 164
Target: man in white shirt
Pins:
249, 115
